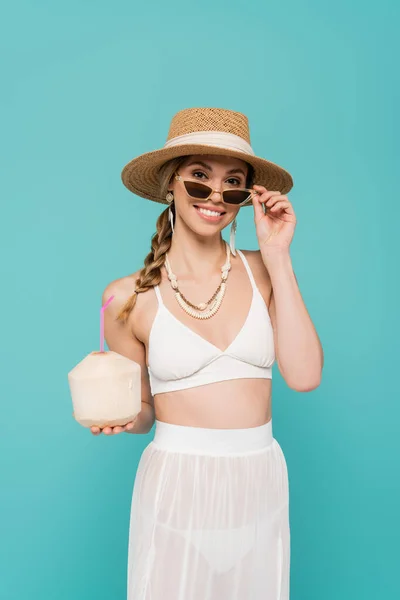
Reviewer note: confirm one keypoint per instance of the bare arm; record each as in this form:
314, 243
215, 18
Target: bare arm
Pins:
120, 338
300, 355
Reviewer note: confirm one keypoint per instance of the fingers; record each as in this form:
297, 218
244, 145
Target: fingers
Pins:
280, 205
272, 200
268, 197
265, 201
117, 429
258, 209
112, 430
105, 430
261, 190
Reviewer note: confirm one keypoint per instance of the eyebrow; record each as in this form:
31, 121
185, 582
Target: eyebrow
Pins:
209, 168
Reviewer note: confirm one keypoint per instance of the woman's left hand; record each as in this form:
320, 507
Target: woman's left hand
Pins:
275, 227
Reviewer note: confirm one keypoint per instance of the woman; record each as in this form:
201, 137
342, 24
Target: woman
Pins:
210, 506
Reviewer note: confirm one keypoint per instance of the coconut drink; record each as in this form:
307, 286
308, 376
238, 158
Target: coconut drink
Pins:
105, 386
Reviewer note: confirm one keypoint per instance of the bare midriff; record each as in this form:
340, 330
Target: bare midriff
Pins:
232, 404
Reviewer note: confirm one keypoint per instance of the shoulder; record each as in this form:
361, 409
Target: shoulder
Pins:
257, 265
121, 288
260, 273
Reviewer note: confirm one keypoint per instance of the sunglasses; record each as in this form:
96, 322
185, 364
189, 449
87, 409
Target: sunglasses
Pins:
201, 191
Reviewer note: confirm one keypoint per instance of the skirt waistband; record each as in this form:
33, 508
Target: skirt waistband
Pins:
200, 440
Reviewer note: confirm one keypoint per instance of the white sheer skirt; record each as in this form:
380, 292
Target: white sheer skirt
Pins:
210, 516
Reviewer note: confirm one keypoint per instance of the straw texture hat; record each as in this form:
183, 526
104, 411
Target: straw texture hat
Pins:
202, 131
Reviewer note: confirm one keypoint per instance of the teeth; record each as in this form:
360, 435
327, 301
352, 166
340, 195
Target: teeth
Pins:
209, 212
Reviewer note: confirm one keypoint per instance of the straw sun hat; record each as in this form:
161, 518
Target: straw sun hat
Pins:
202, 131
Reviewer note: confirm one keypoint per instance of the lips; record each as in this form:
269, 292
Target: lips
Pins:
222, 212
210, 218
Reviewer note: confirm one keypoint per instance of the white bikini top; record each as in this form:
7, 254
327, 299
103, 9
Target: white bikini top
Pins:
179, 358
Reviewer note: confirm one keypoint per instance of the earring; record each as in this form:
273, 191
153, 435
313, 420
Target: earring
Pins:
169, 197
232, 237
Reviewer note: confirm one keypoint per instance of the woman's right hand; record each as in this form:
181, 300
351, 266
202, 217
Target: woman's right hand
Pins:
111, 430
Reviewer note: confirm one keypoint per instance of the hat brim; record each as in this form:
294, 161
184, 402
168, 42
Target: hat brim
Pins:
141, 177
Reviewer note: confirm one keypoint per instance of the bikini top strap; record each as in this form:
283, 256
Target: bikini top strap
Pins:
158, 294
246, 264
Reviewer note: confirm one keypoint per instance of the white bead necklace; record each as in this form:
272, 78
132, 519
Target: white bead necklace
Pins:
204, 310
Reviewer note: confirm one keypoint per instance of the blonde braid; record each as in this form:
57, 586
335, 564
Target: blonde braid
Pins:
150, 275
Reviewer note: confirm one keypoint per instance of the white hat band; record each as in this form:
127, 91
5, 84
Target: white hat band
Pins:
219, 139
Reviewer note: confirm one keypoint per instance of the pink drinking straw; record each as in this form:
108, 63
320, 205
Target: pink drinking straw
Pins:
102, 322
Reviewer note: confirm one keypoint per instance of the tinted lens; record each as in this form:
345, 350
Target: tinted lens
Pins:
197, 190
235, 196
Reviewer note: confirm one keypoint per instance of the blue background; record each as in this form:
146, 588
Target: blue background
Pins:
86, 87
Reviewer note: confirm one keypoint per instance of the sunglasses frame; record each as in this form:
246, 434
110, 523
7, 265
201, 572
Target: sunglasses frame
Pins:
179, 178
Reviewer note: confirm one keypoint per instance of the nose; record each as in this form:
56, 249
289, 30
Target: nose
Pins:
216, 196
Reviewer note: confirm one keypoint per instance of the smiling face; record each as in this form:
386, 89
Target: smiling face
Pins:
218, 172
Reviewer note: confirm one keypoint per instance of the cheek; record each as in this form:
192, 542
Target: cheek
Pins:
184, 209
182, 203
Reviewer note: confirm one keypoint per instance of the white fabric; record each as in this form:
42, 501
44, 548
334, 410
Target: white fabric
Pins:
179, 358
210, 516
220, 139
